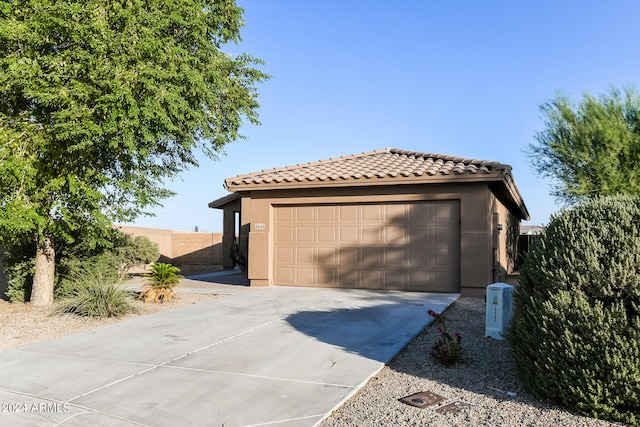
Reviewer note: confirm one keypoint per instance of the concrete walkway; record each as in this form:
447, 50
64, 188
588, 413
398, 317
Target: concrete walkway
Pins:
274, 356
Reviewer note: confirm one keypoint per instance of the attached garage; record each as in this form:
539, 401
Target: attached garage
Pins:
402, 246
387, 219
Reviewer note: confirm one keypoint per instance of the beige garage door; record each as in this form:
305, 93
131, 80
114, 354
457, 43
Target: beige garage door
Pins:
403, 246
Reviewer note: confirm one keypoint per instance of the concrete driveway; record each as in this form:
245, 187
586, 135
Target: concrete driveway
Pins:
274, 356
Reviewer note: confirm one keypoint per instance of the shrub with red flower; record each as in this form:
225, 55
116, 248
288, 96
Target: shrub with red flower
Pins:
448, 349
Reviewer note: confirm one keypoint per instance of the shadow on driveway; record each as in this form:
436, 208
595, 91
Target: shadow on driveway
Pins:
377, 328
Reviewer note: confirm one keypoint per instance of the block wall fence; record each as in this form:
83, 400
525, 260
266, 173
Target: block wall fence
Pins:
182, 247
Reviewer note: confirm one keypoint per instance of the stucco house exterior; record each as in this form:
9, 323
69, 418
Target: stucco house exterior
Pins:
385, 219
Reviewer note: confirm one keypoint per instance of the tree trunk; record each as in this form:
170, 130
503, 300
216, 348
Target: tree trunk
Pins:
43, 279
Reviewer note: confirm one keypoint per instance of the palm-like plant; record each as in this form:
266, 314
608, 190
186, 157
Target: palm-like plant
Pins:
161, 281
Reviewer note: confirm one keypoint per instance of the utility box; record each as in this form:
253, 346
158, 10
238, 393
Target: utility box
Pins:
499, 309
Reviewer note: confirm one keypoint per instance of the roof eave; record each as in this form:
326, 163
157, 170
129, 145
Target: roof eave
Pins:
222, 201
499, 176
374, 181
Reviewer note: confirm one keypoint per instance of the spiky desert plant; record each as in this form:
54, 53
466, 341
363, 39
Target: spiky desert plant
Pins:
96, 295
160, 283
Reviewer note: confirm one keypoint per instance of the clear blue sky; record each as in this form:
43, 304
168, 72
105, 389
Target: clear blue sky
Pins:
463, 78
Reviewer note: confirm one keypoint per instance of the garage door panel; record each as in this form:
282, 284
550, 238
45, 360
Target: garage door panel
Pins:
285, 214
372, 213
306, 255
284, 275
305, 234
404, 246
327, 234
305, 214
305, 276
395, 213
328, 276
347, 278
285, 234
421, 256
419, 233
348, 212
421, 280
443, 234
285, 255
442, 279
371, 234
348, 235
372, 279
434, 257
395, 234
394, 257
327, 214
327, 256
422, 213
371, 256
395, 279
348, 256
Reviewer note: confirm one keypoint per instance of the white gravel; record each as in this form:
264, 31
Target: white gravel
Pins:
487, 367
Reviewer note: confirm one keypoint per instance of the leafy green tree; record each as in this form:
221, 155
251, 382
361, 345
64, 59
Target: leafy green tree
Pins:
590, 149
102, 100
135, 251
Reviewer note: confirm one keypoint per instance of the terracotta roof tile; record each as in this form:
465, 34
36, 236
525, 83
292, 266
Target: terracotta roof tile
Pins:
385, 164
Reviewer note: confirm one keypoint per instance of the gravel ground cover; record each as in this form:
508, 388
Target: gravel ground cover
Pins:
482, 387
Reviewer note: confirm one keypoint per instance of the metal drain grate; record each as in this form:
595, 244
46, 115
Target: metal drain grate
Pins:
423, 399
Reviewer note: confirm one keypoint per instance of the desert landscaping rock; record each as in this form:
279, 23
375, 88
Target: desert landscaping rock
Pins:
478, 392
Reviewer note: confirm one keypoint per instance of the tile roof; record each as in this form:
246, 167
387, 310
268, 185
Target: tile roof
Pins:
379, 165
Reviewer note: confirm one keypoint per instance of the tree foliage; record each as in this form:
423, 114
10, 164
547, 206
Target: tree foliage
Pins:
100, 100
592, 148
575, 331
108, 256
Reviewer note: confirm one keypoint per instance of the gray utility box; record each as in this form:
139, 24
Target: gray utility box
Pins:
499, 309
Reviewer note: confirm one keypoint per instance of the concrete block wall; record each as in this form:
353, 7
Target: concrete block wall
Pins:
182, 247
190, 248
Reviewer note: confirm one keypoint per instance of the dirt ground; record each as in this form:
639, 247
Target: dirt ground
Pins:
23, 323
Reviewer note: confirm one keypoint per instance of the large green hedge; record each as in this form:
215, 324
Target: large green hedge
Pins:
575, 331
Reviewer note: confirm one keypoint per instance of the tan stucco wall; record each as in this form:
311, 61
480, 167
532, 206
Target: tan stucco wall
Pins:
477, 206
508, 242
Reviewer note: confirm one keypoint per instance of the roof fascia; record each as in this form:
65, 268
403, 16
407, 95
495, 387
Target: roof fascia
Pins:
353, 182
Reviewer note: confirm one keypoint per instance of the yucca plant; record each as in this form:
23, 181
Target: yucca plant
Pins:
160, 283
95, 294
